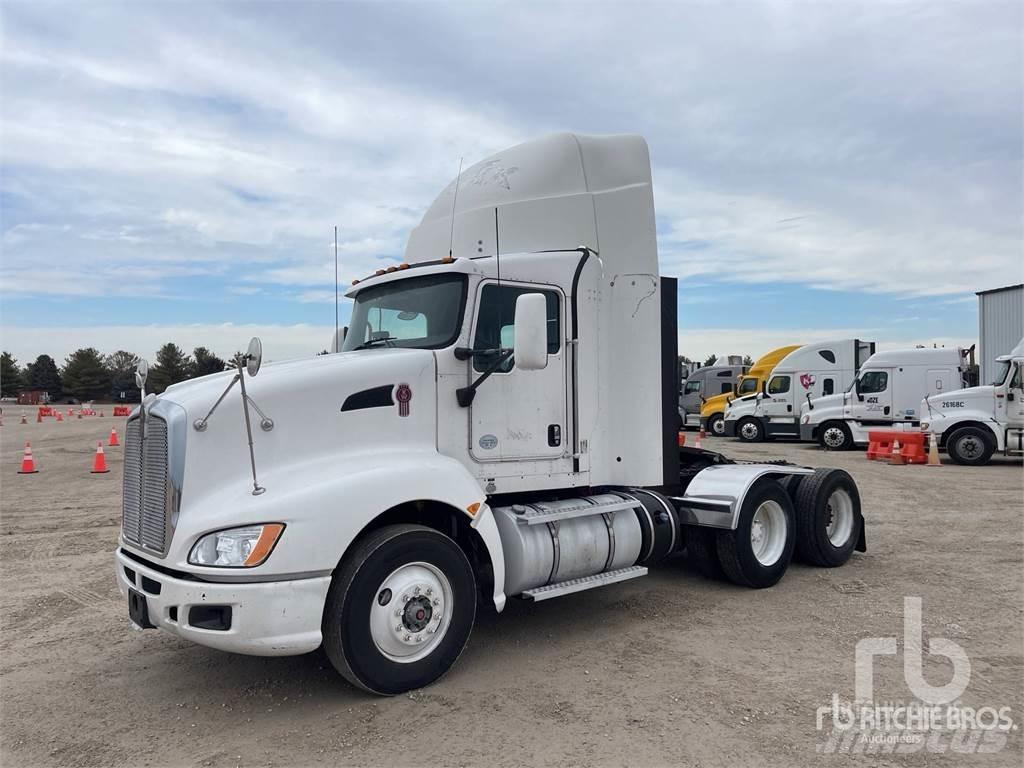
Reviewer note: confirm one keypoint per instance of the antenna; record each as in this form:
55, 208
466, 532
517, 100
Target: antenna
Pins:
455, 198
336, 286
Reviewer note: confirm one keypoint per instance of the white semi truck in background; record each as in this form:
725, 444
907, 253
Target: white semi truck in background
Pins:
886, 393
973, 424
814, 370
501, 422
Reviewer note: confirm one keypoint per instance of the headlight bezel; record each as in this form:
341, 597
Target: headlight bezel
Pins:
263, 544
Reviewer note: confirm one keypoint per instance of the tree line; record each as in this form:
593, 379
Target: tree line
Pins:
88, 375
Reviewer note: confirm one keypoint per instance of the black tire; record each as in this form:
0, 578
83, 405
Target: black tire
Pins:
735, 550
347, 637
749, 430
702, 552
971, 446
835, 436
817, 507
716, 425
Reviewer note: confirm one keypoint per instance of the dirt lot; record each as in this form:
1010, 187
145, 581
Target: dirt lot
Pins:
667, 670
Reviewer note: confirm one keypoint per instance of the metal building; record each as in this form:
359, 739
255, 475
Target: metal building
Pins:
1000, 325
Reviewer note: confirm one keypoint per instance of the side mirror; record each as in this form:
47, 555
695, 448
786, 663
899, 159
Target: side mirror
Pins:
339, 339
531, 332
254, 356
141, 372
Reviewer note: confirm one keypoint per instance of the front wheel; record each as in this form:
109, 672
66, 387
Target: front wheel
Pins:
835, 436
758, 552
400, 609
749, 430
716, 425
970, 446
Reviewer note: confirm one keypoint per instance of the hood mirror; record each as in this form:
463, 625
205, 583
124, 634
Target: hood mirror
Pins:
141, 372
254, 356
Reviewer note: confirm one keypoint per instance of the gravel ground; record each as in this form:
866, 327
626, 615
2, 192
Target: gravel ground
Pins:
671, 669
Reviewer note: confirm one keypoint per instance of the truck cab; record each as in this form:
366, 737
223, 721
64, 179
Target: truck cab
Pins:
815, 370
704, 383
886, 393
974, 423
500, 422
712, 410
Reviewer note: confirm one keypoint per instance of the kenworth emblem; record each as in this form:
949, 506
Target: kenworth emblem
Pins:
403, 395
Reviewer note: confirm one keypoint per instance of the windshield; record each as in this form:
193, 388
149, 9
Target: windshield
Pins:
423, 312
747, 386
1002, 368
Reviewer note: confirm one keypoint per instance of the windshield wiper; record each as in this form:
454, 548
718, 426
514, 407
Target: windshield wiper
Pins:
370, 342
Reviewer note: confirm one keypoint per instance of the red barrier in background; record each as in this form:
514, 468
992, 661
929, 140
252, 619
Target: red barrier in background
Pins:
911, 445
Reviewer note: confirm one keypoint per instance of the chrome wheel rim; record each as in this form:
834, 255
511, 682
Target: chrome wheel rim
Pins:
834, 437
718, 427
749, 430
768, 532
411, 612
839, 519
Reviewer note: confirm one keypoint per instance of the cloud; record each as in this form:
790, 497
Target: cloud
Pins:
871, 148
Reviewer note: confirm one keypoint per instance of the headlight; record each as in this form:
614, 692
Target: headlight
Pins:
806, 418
924, 426
236, 547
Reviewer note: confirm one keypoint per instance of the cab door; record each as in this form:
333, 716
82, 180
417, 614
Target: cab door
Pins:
873, 401
517, 415
1015, 398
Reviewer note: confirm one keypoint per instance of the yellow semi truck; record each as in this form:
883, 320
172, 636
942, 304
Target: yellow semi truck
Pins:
712, 412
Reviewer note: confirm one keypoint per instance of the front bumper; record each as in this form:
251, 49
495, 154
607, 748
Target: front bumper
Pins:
274, 618
807, 432
730, 428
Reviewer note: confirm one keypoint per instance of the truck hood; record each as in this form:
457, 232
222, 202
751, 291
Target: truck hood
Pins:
323, 410
971, 397
832, 405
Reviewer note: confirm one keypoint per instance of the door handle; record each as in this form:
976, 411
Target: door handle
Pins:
886, 410
789, 408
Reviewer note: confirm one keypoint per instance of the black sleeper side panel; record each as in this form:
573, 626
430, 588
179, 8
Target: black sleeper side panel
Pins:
669, 381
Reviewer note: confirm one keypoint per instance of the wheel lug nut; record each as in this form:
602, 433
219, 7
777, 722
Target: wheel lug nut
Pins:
398, 628
416, 591
435, 601
408, 637
419, 638
405, 598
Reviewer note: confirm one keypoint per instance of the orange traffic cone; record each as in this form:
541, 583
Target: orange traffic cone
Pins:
71, 411
39, 417
933, 451
28, 464
23, 419
682, 439
896, 457
101, 414
99, 464
113, 437
700, 439
60, 416
79, 414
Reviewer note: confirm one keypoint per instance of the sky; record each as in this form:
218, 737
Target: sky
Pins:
174, 171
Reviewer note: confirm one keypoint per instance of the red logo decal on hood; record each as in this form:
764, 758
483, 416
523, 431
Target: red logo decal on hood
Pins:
403, 395
806, 380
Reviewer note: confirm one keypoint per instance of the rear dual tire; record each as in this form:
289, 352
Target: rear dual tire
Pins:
828, 516
758, 552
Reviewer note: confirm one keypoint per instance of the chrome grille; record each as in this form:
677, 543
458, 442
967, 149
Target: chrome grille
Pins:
145, 510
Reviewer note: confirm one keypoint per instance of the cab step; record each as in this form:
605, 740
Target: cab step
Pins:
587, 582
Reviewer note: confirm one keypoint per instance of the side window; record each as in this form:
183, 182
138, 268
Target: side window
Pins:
873, 381
725, 374
828, 386
692, 386
779, 385
828, 354
726, 388
495, 323
1018, 377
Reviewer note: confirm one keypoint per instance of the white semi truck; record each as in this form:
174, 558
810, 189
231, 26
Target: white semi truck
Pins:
886, 393
501, 422
972, 424
815, 370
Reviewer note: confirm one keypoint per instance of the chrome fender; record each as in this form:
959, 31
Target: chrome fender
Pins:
715, 496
